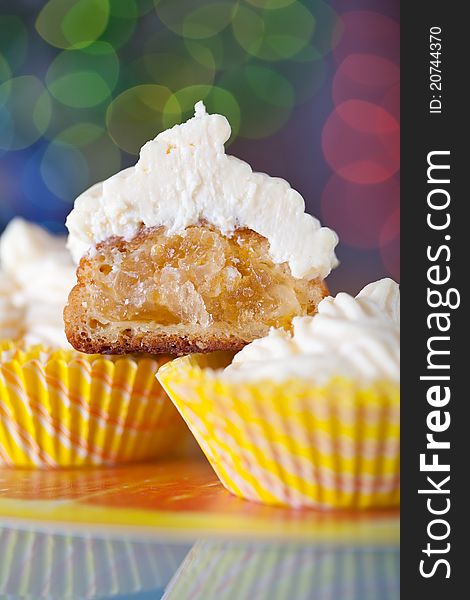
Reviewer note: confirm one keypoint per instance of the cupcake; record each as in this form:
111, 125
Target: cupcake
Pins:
63, 408
11, 313
36, 275
59, 407
191, 251
308, 417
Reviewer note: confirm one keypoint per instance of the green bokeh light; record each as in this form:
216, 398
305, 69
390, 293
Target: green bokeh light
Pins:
72, 23
25, 112
208, 55
164, 40
145, 6
13, 40
64, 170
269, 86
99, 152
225, 49
251, 60
5, 72
274, 34
248, 28
124, 10
209, 20
80, 90
42, 112
324, 38
85, 22
266, 99
270, 4
65, 117
166, 60
84, 78
80, 134
103, 158
122, 22
196, 18
180, 106
136, 116
176, 70
69, 168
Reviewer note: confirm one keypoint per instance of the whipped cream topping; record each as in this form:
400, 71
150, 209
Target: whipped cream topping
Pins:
351, 337
11, 312
36, 276
183, 176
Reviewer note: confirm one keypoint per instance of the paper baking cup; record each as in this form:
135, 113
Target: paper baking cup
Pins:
234, 570
291, 442
64, 408
45, 565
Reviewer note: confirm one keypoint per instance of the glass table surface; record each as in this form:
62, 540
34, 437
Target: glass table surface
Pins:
170, 530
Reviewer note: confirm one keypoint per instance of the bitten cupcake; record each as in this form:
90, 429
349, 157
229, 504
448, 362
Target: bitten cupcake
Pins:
308, 417
59, 407
191, 251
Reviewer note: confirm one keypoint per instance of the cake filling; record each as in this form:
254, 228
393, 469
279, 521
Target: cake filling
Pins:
197, 278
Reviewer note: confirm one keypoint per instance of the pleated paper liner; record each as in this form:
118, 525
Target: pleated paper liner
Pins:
71, 567
231, 570
64, 408
291, 442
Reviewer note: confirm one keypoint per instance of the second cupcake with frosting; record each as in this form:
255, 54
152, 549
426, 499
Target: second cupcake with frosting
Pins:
36, 275
59, 407
307, 418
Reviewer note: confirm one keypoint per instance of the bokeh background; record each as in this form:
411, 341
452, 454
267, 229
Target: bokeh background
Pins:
311, 89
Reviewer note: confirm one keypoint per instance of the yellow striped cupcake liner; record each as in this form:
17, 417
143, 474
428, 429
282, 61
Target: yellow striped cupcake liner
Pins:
62, 408
291, 442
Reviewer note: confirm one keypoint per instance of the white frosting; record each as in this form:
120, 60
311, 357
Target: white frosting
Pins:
184, 176
351, 337
36, 276
11, 311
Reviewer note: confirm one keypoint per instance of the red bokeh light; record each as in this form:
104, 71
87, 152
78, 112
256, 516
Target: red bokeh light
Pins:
367, 31
365, 76
361, 137
361, 142
391, 101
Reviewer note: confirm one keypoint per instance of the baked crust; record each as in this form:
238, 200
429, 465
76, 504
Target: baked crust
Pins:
88, 334
153, 343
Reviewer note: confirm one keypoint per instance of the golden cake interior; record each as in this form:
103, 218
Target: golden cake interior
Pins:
215, 291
